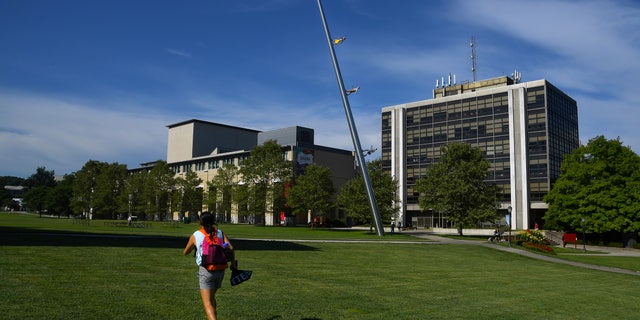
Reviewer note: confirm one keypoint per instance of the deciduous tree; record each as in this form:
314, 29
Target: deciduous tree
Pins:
59, 198
353, 197
39, 186
455, 186
221, 190
312, 190
190, 193
83, 187
109, 190
265, 172
157, 187
599, 182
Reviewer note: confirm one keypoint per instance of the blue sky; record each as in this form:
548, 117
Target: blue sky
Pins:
102, 79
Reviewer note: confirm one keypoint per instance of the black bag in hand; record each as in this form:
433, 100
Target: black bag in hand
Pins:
239, 276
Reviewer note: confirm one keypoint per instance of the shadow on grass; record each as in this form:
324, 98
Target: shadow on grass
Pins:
280, 317
248, 245
24, 237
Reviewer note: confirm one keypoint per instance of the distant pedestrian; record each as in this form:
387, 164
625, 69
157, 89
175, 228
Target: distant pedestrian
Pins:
393, 226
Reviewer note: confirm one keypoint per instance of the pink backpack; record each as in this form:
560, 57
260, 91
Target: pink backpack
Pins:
213, 255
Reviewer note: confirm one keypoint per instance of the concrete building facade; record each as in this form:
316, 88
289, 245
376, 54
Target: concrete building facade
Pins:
204, 147
523, 129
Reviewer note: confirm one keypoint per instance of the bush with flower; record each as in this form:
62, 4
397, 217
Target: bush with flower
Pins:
533, 236
534, 240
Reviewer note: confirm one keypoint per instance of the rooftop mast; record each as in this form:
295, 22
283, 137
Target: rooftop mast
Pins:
473, 58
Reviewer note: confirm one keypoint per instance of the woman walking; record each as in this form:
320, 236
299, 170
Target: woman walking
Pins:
210, 277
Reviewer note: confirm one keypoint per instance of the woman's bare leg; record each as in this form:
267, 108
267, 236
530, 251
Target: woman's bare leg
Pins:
209, 302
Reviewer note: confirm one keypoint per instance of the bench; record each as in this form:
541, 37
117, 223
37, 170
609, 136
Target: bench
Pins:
115, 224
133, 224
171, 224
570, 238
136, 224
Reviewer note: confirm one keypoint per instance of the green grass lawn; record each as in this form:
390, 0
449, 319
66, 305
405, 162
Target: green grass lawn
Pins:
53, 269
160, 228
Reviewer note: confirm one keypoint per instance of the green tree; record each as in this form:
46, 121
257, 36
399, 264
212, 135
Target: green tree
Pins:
221, 191
109, 190
190, 195
132, 200
312, 191
42, 177
599, 182
455, 186
242, 199
83, 187
36, 198
265, 171
59, 198
156, 191
353, 197
39, 184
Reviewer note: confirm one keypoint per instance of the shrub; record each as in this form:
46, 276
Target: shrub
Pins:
532, 236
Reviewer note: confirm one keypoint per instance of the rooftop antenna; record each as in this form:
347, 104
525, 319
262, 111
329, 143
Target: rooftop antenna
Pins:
473, 58
516, 75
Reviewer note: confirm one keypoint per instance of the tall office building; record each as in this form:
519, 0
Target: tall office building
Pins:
524, 130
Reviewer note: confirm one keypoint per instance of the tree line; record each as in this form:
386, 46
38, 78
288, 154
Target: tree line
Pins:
263, 183
598, 190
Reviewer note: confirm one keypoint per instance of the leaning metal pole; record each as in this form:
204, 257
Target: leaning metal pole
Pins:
352, 128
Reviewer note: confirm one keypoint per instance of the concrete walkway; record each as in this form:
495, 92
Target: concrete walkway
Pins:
604, 250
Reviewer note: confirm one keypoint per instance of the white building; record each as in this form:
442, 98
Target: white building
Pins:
524, 130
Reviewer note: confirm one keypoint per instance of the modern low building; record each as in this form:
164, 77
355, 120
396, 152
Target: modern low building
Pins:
203, 147
524, 130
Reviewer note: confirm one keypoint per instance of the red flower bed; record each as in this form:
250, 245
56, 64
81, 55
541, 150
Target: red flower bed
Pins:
538, 247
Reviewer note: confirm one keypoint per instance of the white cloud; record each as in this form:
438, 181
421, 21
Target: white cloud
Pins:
180, 53
62, 135
587, 49
326, 117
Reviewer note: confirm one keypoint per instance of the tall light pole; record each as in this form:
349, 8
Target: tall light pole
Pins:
584, 245
352, 127
206, 186
509, 223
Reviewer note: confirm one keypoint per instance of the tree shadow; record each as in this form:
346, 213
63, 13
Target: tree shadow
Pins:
24, 237
261, 245
280, 317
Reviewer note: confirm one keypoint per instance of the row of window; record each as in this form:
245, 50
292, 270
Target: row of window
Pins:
206, 165
455, 132
484, 122
415, 118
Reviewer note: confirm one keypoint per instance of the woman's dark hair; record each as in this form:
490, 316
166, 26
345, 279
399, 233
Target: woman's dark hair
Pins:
208, 221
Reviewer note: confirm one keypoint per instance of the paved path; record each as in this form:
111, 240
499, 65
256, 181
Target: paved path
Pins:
434, 239
605, 250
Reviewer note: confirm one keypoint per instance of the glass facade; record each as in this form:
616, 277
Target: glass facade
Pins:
550, 130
